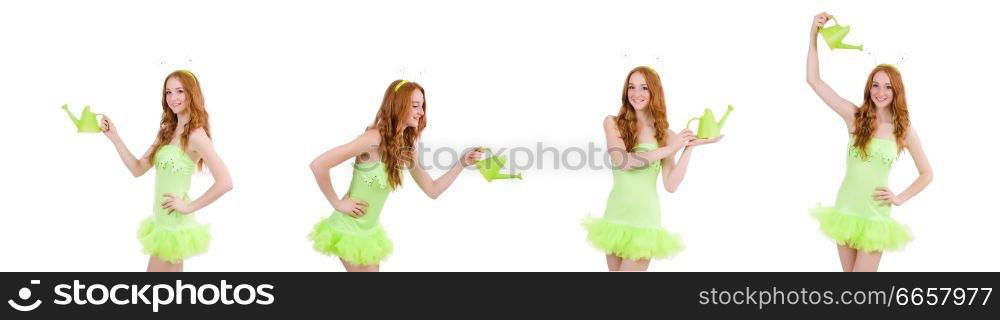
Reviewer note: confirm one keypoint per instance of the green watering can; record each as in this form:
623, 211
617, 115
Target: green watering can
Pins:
87, 121
490, 167
835, 34
707, 128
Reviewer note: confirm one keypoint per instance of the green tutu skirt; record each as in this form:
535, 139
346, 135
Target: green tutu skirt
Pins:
174, 237
630, 242
867, 234
359, 247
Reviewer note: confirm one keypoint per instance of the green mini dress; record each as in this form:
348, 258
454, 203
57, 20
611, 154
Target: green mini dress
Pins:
856, 220
630, 227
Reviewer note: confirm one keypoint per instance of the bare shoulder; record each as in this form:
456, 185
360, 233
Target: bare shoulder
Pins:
199, 137
610, 122
370, 137
199, 132
199, 144
366, 145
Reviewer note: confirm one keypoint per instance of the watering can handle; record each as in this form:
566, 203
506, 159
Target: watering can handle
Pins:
484, 150
835, 22
688, 126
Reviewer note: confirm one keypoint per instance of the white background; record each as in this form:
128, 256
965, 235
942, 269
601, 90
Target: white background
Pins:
286, 80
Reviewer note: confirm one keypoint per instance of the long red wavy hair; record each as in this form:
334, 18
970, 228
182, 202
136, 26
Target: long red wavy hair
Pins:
198, 117
626, 120
865, 118
396, 139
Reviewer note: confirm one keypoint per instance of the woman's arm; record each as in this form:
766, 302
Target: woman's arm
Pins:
321, 171
435, 187
673, 174
137, 167
839, 105
202, 144
884, 195
624, 160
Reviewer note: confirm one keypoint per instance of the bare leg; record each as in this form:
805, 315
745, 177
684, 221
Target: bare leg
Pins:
157, 265
614, 262
868, 261
356, 268
634, 265
847, 257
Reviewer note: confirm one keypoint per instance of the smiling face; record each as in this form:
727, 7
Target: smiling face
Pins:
175, 95
881, 90
415, 110
638, 91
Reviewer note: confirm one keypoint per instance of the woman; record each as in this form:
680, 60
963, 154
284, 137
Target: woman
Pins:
640, 144
353, 232
859, 221
183, 144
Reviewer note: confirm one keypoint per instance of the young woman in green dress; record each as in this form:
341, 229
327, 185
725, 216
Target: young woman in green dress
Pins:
878, 131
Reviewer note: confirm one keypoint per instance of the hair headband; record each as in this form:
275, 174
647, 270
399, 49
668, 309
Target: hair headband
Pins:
400, 84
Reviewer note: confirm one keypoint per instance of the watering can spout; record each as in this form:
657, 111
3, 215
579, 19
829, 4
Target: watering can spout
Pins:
507, 176
851, 46
76, 122
724, 116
